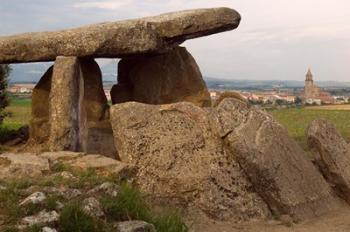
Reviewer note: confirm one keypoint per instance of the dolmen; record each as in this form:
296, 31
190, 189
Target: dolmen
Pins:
228, 162
70, 110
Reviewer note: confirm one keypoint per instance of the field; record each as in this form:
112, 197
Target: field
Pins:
20, 113
330, 107
296, 120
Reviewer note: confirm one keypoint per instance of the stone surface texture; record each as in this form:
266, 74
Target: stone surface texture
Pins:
40, 219
180, 160
332, 155
39, 125
135, 226
276, 166
118, 39
232, 161
65, 104
161, 79
17, 166
79, 109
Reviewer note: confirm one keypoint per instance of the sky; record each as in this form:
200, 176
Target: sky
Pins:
276, 40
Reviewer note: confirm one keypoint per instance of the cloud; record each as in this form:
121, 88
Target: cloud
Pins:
277, 39
107, 5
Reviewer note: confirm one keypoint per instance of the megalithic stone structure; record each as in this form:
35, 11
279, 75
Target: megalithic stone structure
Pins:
66, 116
149, 35
70, 110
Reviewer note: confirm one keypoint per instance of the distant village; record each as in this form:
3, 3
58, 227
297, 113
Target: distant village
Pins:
310, 95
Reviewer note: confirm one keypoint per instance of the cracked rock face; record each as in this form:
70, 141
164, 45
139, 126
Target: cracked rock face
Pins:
332, 155
118, 39
231, 161
179, 158
274, 163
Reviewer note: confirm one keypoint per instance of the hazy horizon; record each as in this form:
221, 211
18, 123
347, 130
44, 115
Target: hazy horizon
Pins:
277, 40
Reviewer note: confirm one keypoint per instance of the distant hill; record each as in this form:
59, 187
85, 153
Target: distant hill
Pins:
33, 71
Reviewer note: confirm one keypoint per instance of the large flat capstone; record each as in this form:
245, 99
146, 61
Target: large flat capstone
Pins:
118, 39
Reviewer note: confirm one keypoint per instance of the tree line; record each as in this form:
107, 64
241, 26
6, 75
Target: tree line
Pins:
4, 101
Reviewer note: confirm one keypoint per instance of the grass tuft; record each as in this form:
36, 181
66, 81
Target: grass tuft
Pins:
169, 222
127, 205
73, 218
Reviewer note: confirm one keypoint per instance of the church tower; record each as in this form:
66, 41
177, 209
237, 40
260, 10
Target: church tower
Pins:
310, 88
309, 78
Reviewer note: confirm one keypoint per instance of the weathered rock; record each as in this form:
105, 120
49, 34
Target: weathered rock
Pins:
66, 119
92, 207
35, 198
17, 166
135, 226
332, 155
42, 218
87, 113
161, 79
39, 125
121, 93
99, 134
66, 175
48, 229
100, 139
84, 161
118, 39
275, 164
61, 156
181, 161
95, 101
65, 192
105, 188
103, 164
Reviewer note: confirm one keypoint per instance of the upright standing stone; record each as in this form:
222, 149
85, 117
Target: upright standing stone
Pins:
39, 125
95, 101
98, 130
162, 79
332, 155
274, 163
65, 105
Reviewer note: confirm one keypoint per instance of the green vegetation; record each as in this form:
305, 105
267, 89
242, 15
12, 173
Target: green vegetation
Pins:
19, 113
129, 204
4, 73
73, 218
169, 222
296, 120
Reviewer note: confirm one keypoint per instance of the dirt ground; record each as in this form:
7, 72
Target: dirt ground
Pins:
338, 221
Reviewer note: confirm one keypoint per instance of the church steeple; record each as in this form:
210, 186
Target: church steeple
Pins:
309, 76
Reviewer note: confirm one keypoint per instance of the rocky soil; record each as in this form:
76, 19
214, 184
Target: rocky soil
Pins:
66, 191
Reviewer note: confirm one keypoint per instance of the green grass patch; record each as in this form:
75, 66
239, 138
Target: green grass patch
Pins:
127, 205
130, 205
73, 218
296, 120
19, 112
169, 222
